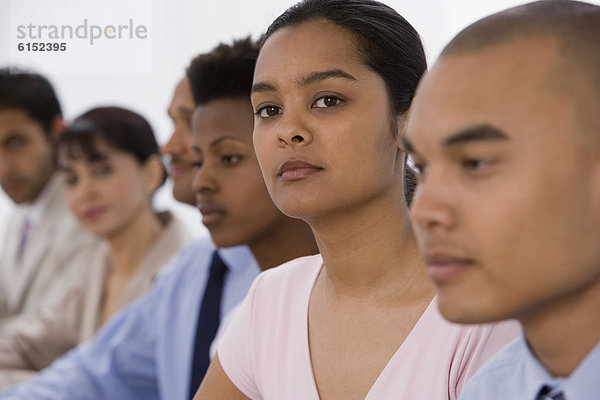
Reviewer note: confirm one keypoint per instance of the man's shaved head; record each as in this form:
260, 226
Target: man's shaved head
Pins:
575, 28
575, 24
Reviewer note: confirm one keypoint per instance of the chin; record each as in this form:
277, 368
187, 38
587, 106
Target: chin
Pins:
221, 239
99, 233
300, 211
19, 198
305, 204
104, 231
465, 310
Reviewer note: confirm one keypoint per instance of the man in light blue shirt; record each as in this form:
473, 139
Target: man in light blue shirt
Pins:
505, 132
146, 351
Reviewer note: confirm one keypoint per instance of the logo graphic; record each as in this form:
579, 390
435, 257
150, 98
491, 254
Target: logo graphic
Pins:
81, 36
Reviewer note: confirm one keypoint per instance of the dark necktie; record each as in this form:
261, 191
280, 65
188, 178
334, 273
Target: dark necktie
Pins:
208, 321
546, 394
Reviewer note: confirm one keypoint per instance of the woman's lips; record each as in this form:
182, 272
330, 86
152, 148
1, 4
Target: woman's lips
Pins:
296, 170
211, 213
92, 214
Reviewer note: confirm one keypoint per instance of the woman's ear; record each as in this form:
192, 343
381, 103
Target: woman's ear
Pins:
401, 122
154, 174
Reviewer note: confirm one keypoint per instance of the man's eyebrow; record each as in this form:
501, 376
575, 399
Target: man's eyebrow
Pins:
476, 133
309, 79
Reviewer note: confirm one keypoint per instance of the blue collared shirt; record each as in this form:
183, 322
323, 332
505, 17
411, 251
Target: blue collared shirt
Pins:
516, 374
145, 351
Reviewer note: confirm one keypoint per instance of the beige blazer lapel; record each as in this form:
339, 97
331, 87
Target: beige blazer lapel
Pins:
56, 257
10, 264
173, 237
29, 265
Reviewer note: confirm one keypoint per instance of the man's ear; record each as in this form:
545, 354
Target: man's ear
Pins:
154, 174
57, 127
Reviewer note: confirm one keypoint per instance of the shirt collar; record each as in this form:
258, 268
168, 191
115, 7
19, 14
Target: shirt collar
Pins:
583, 383
237, 258
533, 374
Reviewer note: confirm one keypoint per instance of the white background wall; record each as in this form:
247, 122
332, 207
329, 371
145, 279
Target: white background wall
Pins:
180, 29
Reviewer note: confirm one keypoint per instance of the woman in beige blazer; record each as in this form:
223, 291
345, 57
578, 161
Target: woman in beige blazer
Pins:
111, 168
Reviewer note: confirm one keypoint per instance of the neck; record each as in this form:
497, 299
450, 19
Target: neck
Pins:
292, 238
371, 250
129, 246
43, 190
564, 331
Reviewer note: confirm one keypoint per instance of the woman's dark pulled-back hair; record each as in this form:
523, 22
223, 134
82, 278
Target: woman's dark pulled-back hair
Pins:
387, 43
120, 128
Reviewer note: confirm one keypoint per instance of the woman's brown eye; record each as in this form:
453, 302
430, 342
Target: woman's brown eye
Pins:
272, 111
268, 111
327, 101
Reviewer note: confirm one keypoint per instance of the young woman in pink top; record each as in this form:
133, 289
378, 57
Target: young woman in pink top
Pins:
332, 88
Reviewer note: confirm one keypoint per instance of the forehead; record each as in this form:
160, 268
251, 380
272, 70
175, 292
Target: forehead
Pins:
309, 46
509, 85
13, 119
182, 96
222, 118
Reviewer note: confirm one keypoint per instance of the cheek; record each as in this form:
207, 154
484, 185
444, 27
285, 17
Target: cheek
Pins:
245, 187
525, 234
71, 200
264, 150
365, 142
43, 160
255, 188
126, 189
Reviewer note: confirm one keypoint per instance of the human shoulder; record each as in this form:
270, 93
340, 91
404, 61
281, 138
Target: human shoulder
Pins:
505, 360
189, 258
269, 324
289, 283
299, 269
